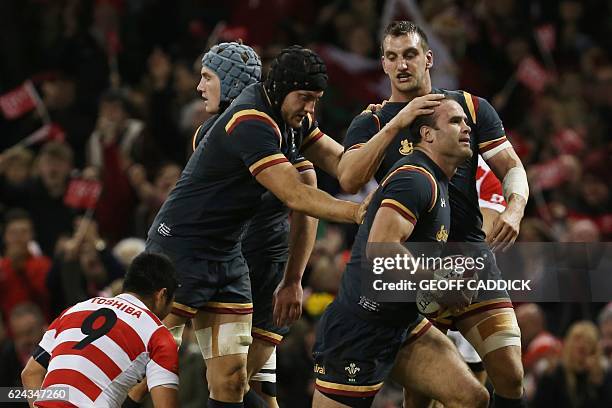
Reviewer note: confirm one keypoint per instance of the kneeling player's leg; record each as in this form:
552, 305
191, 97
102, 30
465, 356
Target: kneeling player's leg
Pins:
496, 336
224, 340
263, 381
431, 366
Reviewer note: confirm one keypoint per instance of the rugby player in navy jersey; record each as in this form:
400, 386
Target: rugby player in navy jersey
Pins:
359, 338
201, 224
266, 243
375, 142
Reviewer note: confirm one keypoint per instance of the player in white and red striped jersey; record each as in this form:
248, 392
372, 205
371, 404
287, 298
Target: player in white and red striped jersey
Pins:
490, 197
100, 348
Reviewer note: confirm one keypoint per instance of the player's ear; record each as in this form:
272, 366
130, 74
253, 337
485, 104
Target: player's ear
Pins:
426, 134
429, 57
161, 296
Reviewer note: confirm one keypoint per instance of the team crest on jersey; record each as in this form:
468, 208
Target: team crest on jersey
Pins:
442, 235
352, 371
406, 147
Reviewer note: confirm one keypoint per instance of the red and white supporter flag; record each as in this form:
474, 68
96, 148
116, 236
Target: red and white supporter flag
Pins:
533, 75
19, 101
82, 194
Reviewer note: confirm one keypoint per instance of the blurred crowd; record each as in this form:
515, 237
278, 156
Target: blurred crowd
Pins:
98, 106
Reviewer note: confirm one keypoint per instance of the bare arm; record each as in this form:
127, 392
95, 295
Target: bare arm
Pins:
325, 154
32, 377
302, 234
506, 228
164, 396
284, 182
358, 166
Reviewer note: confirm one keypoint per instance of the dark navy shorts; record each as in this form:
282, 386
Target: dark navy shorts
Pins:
354, 356
221, 287
265, 277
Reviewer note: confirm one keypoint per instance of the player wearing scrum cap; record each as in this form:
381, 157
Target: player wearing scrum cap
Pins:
246, 151
265, 245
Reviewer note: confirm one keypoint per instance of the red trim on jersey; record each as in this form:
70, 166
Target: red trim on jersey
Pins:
312, 140
265, 165
401, 211
66, 376
260, 118
162, 350
92, 353
475, 102
493, 145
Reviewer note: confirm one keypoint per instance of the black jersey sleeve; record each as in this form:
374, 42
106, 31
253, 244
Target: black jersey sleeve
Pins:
361, 129
411, 191
489, 129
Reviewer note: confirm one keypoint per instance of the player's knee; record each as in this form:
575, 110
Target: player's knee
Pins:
475, 395
505, 370
230, 380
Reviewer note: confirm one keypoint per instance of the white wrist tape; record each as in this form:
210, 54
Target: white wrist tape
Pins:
515, 182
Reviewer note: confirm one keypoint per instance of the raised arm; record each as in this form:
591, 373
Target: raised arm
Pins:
361, 160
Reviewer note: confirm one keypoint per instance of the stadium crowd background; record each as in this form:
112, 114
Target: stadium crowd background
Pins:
100, 99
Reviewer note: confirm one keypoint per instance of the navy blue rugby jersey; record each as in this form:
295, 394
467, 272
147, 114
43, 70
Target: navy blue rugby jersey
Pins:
217, 193
418, 190
487, 138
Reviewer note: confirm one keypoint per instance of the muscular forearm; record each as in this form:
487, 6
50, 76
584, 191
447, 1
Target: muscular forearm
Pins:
358, 166
301, 241
319, 204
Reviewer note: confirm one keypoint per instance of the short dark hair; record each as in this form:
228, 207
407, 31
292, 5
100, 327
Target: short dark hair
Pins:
398, 28
425, 120
148, 273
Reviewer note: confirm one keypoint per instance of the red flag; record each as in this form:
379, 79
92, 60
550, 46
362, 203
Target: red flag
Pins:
50, 131
19, 101
531, 74
82, 194
546, 37
233, 33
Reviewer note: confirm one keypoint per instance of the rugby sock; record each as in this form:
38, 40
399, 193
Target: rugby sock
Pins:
218, 404
501, 402
252, 400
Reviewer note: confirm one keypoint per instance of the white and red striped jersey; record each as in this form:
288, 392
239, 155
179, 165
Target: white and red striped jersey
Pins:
489, 188
102, 347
